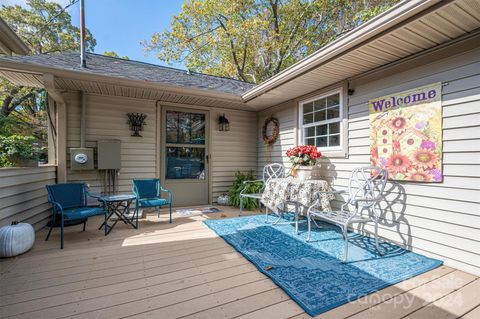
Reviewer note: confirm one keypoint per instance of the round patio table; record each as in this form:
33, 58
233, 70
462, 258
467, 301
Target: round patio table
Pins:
118, 206
280, 193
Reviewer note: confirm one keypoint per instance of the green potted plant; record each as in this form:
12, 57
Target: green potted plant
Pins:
238, 186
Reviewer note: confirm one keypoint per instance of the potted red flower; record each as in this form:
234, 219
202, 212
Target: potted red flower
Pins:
303, 158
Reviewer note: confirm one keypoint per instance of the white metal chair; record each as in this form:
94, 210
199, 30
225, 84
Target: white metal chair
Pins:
274, 170
365, 190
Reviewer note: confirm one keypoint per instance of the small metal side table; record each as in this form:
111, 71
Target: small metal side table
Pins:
118, 207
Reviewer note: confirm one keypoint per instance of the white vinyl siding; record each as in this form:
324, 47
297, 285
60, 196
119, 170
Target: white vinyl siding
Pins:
287, 117
23, 195
233, 150
106, 118
441, 220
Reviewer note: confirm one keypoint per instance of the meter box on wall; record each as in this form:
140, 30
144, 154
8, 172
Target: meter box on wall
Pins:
81, 159
108, 154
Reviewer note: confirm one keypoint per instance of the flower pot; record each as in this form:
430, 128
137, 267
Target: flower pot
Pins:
307, 172
304, 172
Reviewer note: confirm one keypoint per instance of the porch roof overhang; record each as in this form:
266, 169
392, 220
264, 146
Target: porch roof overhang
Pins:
407, 29
10, 42
23, 73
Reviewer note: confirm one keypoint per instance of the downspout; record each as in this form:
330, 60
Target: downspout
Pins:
82, 120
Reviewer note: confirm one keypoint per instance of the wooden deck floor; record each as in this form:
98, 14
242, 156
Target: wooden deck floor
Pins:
183, 270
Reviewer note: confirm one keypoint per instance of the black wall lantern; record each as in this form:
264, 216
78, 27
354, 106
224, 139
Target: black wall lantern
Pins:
223, 123
136, 122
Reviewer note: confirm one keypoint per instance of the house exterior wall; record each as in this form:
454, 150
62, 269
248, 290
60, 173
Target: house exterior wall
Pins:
441, 220
286, 113
23, 195
231, 151
106, 119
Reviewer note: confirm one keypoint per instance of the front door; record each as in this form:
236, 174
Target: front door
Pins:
184, 159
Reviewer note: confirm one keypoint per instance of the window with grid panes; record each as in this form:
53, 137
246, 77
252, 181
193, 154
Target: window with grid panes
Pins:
321, 121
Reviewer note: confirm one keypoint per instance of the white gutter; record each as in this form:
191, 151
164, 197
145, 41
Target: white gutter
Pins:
388, 19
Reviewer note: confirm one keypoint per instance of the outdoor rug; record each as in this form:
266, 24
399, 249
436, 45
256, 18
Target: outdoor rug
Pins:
312, 273
197, 211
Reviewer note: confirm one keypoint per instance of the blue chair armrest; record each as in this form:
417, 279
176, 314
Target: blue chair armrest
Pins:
99, 198
169, 193
56, 207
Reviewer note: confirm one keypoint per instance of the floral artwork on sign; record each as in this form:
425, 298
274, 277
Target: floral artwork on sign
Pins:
406, 134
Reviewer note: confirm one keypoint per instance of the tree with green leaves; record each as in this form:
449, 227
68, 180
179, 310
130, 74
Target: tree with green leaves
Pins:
252, 40
45, 27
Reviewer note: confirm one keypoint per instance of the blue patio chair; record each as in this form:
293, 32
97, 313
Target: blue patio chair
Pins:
147, 193
69, 204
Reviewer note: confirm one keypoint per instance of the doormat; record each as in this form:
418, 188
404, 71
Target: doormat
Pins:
197, 211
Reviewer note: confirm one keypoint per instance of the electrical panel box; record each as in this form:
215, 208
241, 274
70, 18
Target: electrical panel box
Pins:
108, 154
81, 159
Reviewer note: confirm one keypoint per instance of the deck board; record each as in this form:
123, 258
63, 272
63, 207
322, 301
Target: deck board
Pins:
184, 270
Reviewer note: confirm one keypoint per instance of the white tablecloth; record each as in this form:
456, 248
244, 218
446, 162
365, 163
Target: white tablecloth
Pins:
279, 191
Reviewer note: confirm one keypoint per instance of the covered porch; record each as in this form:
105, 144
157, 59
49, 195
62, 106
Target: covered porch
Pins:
184, 269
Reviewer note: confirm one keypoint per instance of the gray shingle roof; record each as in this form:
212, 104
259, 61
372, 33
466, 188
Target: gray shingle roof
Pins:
134, 70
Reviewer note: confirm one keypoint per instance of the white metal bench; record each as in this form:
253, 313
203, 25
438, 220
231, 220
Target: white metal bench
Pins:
274, 170
365, 190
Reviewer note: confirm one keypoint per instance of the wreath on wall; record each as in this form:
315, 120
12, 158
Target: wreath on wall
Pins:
270, 140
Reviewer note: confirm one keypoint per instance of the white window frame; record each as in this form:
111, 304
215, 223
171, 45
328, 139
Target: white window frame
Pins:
334, 151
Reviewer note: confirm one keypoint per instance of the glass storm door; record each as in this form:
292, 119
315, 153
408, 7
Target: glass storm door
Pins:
185, 149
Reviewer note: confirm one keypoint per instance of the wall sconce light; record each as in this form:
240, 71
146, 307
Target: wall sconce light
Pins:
136, 122
223, 123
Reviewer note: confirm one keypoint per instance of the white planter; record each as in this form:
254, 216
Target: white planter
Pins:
16, 239
308, 172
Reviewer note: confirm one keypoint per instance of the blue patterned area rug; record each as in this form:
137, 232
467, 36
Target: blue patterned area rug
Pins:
312, 273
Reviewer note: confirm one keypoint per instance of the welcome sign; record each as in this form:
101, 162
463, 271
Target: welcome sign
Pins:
406, 134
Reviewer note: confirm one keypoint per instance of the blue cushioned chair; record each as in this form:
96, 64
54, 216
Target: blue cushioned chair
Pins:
147, 193
69, 204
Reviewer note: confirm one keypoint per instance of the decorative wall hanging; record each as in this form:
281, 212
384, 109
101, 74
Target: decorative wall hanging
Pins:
223, 123
136, 122
406, 134
270, 140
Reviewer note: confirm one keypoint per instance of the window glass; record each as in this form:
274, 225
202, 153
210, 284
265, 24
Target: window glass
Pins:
308, 108
308, 118
322, 121
334, 128
185, 163
185, 128
334, 140
333, 100
322, 130
333, 112
321, 141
